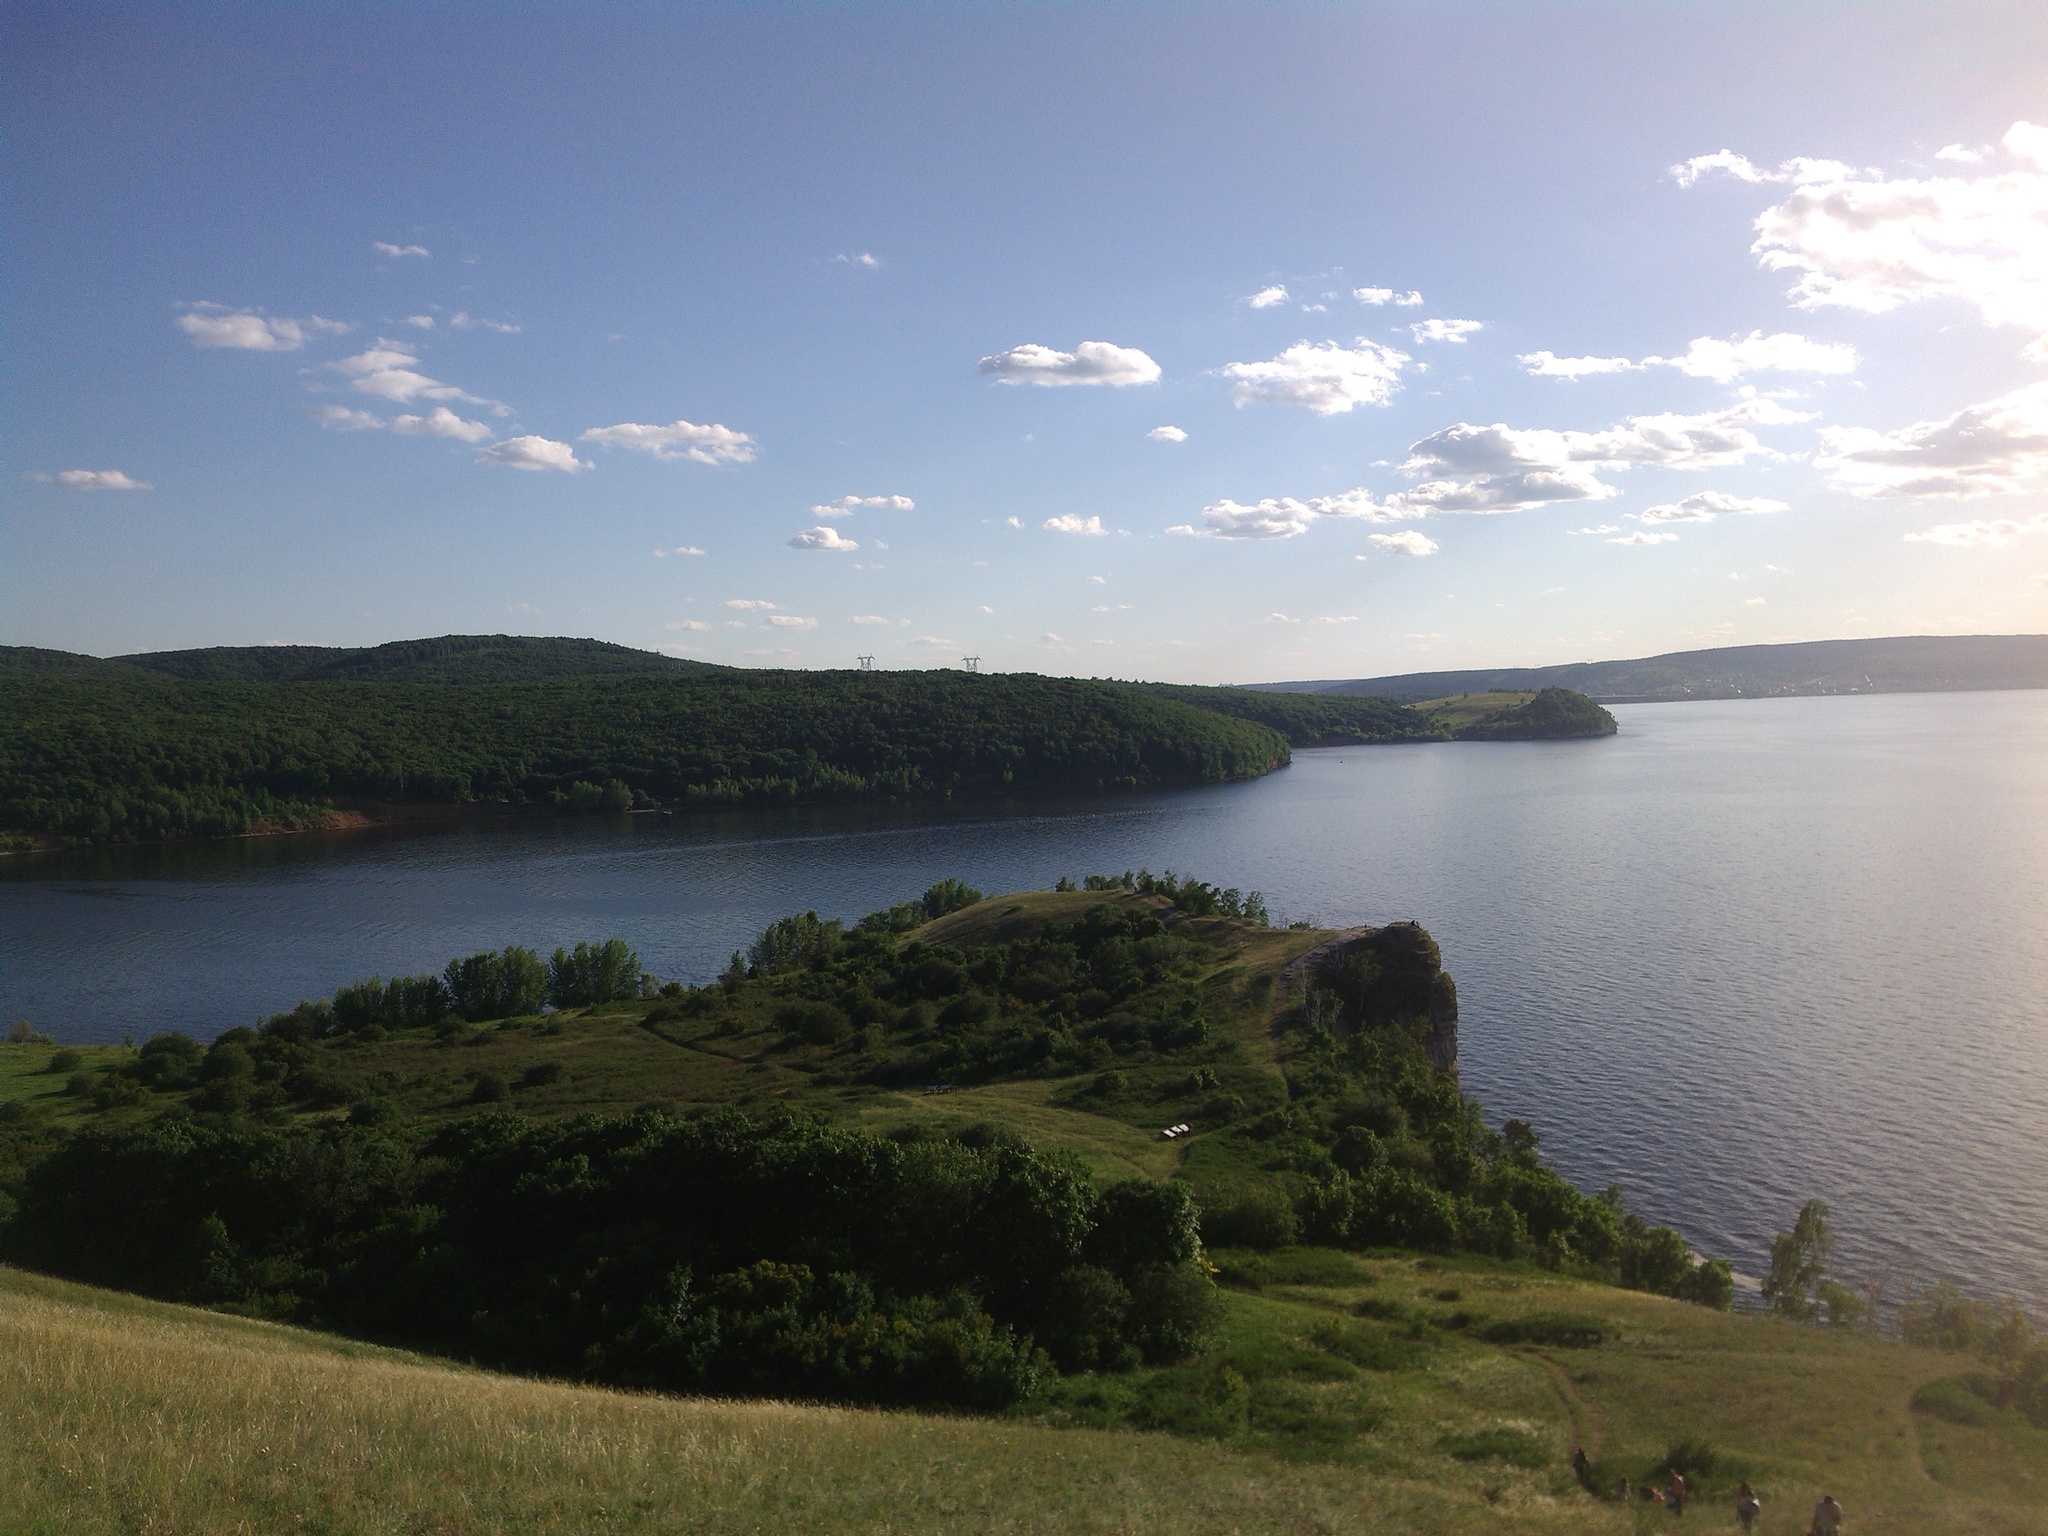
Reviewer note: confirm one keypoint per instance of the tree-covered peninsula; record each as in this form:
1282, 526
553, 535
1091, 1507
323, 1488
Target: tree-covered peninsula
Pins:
228, 741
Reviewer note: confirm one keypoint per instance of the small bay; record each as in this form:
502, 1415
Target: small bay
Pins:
1741, 955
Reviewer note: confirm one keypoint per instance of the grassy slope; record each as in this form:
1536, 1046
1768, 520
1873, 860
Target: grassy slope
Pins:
120, 1415
1459, 709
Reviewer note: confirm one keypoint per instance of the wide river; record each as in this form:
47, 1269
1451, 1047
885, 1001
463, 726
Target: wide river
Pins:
1742, 955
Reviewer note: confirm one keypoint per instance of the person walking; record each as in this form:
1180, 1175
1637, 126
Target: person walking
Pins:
1674, 1490
1827, 1517
1747, 1507
1581, 1468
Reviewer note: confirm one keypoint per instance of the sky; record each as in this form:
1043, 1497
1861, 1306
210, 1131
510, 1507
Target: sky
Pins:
1211, 343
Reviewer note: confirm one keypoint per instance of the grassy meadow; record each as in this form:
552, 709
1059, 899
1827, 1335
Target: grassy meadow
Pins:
120, 1415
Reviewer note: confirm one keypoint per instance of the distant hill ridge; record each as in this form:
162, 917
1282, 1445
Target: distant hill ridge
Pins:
444, 659
1899, 664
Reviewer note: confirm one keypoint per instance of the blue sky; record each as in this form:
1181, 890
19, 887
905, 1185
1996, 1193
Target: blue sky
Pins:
783, 334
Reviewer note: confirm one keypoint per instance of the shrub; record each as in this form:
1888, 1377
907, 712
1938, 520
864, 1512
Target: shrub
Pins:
540, 1074
1262, 1219
1554, 1330
814, 1023
62, 1062
1513, 1446
374, 1112
489, 1088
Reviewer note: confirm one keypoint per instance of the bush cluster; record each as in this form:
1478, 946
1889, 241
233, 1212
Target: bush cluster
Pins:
722, 1254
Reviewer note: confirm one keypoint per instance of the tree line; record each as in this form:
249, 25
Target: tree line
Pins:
127, 756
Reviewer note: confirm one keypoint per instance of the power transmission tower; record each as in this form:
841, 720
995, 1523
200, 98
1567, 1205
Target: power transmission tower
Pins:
867, 663
972, 663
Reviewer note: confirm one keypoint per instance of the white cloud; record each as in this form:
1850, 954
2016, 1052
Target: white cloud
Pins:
386, 370
1642, 536
423, 322
342, 419
1445, 330
1073, 522
821, 537
858, 259
95, 480
1328, 379
1550, 365
386, 248
1508, 469
868, 618
1407, 542
1167, 435
846, 505
211, 326
697, 624
1983, 532
1710, 358
680, 549
1014, 521
1981, 450
713, 444
1277, 617
440, 422
749, 604
1705, 506
1092, 362
791, 621
530, 452
1498, 468
1602, 528
1869, 242
1960, 154
1386, 296
1800, 168
462, 320
1784, 352
1282, 517
1266, 298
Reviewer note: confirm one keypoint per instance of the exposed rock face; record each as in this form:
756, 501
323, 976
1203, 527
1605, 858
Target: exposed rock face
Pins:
1383, 978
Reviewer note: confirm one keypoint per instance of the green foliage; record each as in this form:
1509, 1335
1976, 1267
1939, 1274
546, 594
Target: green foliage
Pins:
1515, 1447
403, 1002
592, 973
183, 748
1797, 1283
1554, 714
788, 942
1942, 1317
723, 1254
496, 985
1312, 719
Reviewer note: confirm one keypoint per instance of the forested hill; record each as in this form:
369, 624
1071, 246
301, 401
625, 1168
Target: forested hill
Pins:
1900, 664
118, 752
1312, 720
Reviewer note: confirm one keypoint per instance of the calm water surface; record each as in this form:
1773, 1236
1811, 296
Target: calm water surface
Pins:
1742, 955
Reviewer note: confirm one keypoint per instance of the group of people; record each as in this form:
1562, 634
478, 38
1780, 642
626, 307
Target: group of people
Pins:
1827, 1514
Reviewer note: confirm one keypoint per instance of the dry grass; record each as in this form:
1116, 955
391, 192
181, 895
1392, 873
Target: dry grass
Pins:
121, 1415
